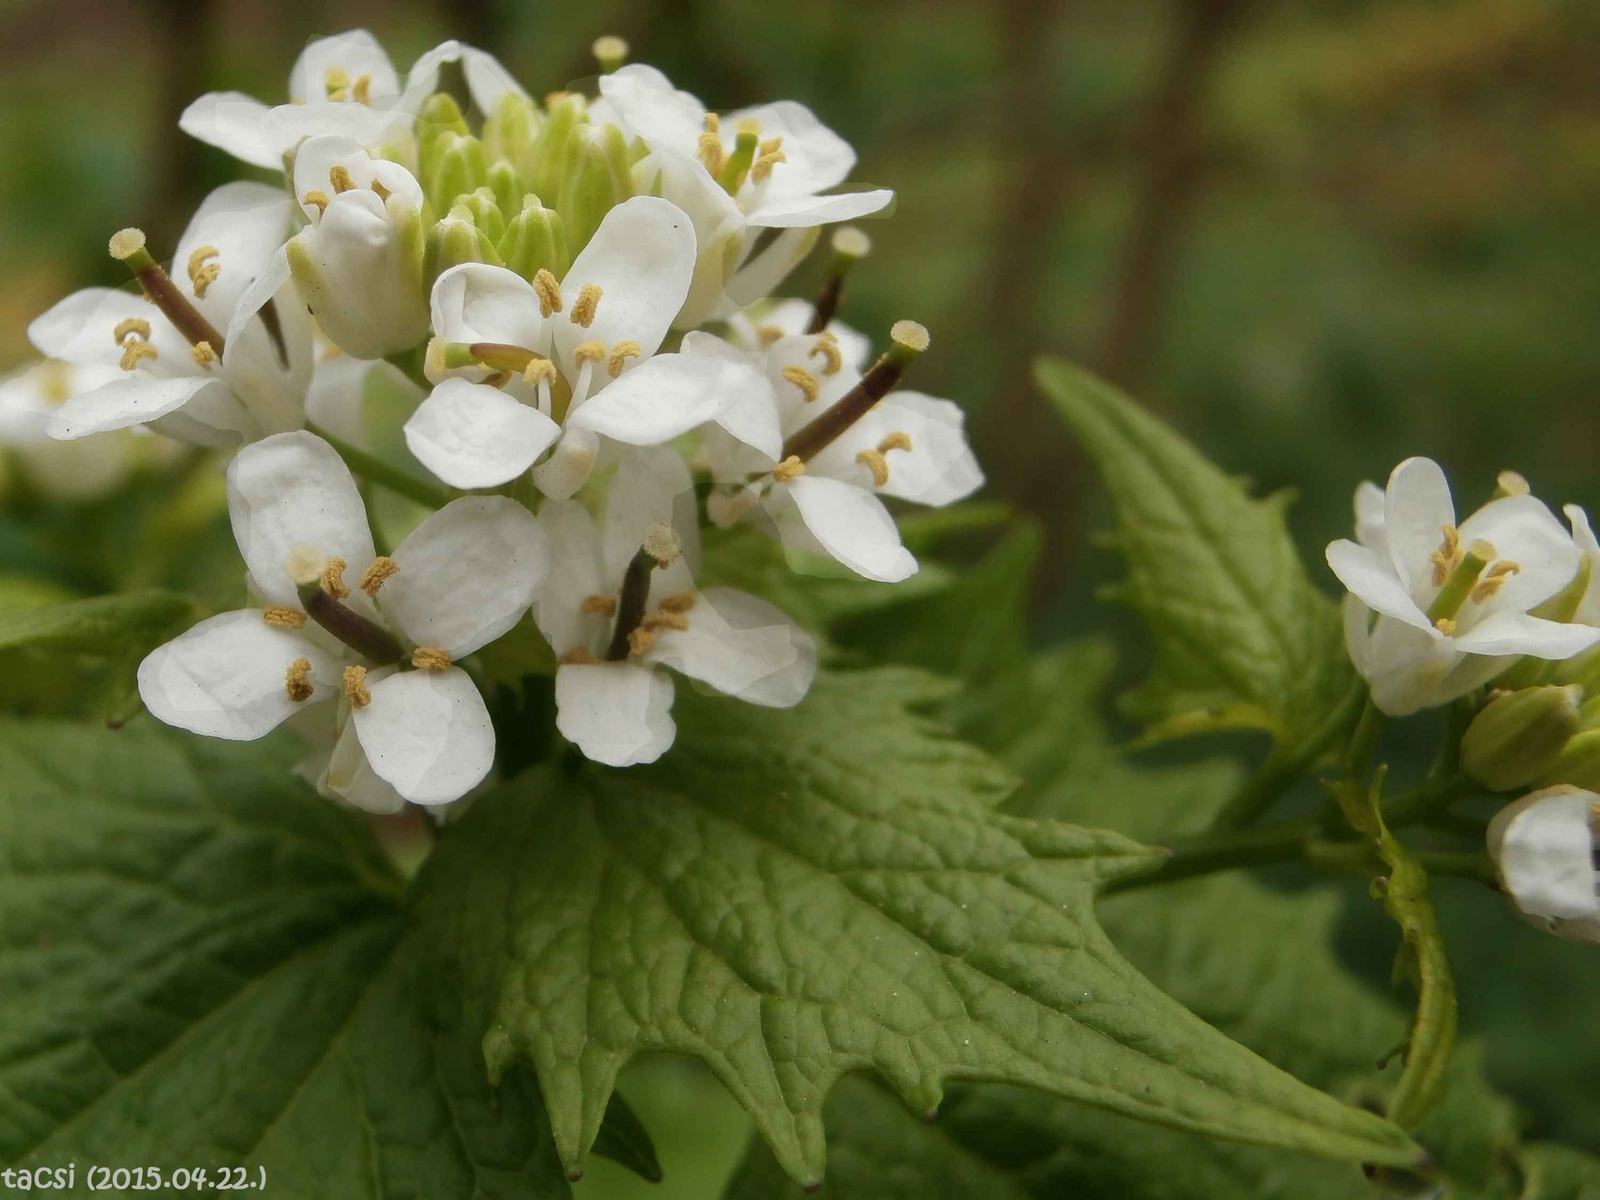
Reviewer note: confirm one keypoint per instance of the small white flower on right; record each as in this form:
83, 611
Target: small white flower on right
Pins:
1544, 850
1451, 603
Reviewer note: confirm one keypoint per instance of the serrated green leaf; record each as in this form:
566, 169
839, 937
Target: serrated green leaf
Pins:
1242, 638
204, 965
791, 896
624, 1140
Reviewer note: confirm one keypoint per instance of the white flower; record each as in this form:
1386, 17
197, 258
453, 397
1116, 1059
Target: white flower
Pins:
576, 360
826, 500
173, 380
756, 328
777, 181
1452, 603
1544, 848
615, 613
76, 471
1588, 610
358, 263
342, 85
463, 578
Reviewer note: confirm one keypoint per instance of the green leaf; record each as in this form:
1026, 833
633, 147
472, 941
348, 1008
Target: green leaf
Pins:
204, 965
101, 625
1242, 638
791, 896
1557, 1173
624, 1139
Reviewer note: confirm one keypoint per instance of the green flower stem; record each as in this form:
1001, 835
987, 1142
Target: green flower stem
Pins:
373, 468
1361, 858
1364, 742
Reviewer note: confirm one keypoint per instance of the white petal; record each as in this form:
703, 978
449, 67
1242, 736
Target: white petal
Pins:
851, 526
79, 329
348, 776
804, 212
1518, 633
752, 418
649, 107
742, 646
227, 677
135, 399
642, 258
817, 157
759, 275
1522, 529
1589, 607
337, 398
231, 121
479, 303
287, 126
487, 80
467, 574
1416, 506
291, 490
619, 714
1543, 846
574, 576
316, 158
939, 468
356, 53
1371, 578
1411, 668
667, 397
1357, 632
650, 487
793, 316
569, 466
427, 734
474, 436
245, 224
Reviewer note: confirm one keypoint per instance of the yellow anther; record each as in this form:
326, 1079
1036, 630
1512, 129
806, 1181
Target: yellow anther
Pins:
549, 292
383, 192
335, 79
802, 379
1448, 556
789, 468
339, 178
1494, 579
583, 308
620, 353
134, 351
711, 152
578, 656
605, 606
284, 617
661, 544
202, 353
355, 687
895, 441
640, 642
297, 680
661, 619
362, 89
1445, 626
875, 462
763, 165
828, 348
767, 334
134, 325
1512, 484
203, 274
380, 569
588, 351
769, 146
320, 199
678, 602
339, 94
539, 370
430, 658
333, 579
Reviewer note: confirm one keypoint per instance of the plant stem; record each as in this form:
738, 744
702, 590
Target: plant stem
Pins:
375, 469
1363, 743
1234, 848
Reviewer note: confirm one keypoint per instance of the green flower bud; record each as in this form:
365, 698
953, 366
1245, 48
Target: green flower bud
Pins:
511, 131
535, 240
456, 240
439, 114
507, 187
1577, 764
1519, 736
597, 181
461, 168
547, 165
485, 210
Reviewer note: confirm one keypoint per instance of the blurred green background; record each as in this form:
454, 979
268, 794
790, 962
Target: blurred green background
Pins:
1318, 236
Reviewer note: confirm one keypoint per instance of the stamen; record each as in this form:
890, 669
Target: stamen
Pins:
203, 274
284, 617
1447, 557
134, 325
430, 658
895, 441
763, 165
335, 79
661, 543
770, 146
767, 334
874, 461
203, 355
578, 656
828, 348
339, 177
1445, 626
1462, 581
737, 165
850, 246
355, 687
640, 642
583, 308
297, 680
605, 606
539, 370
333, 579
802, 379
362, 91
1510, 483
620, 353
1494, 579
320, 199
678, 602
549, 292
380, 569
711, 153
127, 246
907, 341
134, 351
588, 351
789, 468
661, 619
383, 192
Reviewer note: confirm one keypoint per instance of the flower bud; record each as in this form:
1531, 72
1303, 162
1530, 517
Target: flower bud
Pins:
485, 210
456, 240
440, 114
512, 130
1519, 736
547, 165
460, 168
1543, 848
535, 240
1578, 763
597, 180
507, 187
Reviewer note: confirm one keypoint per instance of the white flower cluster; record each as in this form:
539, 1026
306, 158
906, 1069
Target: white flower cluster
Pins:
540, 275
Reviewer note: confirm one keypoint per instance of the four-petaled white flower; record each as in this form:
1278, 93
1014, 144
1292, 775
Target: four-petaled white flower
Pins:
1451, 602
386, 642
621, 603
736, 176
907, 445
343, 85
186, 382
1544, 848
573, 361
